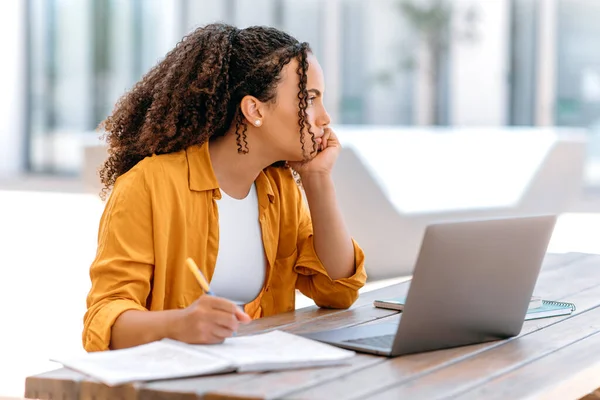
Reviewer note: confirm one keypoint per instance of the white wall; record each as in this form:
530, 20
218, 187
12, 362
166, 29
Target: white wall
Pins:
12, 93
479, 69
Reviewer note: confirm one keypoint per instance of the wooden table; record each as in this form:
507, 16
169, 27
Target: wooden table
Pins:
552, 358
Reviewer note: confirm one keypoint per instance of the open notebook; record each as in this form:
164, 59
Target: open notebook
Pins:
168, 359
538, 308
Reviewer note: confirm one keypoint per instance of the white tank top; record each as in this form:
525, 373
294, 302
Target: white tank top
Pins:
240, 269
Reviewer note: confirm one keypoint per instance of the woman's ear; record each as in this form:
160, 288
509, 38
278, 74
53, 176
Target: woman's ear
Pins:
252, 108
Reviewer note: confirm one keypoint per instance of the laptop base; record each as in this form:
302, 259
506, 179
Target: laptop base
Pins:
352, 338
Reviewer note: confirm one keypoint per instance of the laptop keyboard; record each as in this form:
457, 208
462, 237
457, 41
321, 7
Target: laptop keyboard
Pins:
383, 341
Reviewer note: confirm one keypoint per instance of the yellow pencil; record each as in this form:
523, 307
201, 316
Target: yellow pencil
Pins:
198, 274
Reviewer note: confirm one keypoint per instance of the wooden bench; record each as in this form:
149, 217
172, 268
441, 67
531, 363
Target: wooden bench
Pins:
552, 358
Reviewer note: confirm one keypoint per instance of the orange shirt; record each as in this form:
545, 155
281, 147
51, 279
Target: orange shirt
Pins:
164, 210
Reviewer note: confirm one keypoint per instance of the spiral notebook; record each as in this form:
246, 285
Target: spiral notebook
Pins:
550, 309
538, 308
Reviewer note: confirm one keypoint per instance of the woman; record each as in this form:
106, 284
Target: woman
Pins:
200, 158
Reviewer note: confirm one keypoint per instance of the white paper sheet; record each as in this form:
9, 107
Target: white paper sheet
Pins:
167, 359
157, 360
276, 350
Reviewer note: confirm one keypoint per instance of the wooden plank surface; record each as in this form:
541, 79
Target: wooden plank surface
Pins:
291, 320
418, 366
278, 385
575, 277
479, 369
58, 384
595, 395
15, 398
570, 277
390, 372
569, 373
556, 260
72, 384
191, 388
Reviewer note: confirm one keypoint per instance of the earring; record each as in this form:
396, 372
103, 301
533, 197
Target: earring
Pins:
258, 122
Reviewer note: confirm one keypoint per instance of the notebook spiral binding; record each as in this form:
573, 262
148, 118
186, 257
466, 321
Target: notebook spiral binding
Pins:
559, 304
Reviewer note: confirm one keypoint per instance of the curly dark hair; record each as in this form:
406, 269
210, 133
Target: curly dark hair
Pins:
194, 93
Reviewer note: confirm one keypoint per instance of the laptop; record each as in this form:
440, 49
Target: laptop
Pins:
472, 283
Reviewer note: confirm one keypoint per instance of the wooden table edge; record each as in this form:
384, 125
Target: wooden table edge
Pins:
574, 387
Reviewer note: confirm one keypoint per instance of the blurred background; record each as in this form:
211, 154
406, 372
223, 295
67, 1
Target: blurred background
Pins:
388, 62
509, 89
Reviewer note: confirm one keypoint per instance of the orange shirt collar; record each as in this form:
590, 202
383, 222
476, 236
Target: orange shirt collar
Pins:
201, 176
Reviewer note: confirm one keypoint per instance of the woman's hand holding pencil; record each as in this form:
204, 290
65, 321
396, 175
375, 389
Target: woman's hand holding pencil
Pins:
209, 319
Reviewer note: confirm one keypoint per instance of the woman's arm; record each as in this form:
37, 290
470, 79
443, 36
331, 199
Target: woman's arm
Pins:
330, 264
208, 320
332, 241
134, 327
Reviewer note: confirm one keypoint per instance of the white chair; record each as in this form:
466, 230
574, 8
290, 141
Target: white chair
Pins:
392, 182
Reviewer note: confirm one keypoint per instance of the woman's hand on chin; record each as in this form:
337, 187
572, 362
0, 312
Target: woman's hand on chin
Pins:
322, 163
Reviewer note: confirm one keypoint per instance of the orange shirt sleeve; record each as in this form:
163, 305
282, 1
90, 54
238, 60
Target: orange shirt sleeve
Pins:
122, 270
313, 280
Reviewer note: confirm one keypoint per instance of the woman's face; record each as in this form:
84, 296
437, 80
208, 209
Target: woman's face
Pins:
281, 120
